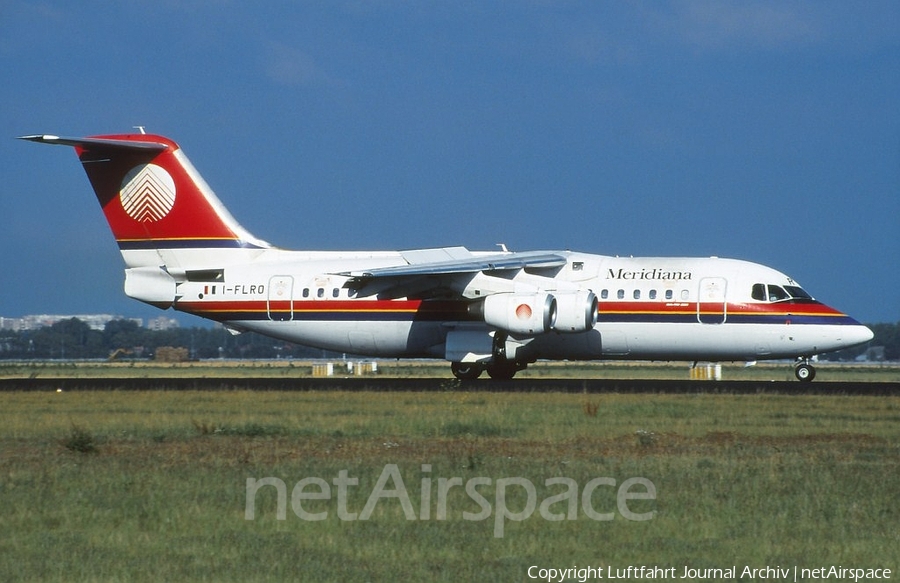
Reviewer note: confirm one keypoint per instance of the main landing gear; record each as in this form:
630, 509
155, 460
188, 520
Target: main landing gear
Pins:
465, 371
506, 360
499, 371
804, 371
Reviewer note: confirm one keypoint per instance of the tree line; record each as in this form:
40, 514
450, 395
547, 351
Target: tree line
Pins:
125, 339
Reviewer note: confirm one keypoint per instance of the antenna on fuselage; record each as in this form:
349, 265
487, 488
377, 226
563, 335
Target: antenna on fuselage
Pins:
140, 129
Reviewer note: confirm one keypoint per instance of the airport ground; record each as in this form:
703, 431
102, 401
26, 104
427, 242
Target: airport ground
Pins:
146, 485
438, 369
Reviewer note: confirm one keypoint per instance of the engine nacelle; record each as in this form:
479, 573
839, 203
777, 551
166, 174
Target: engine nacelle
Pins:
526, 314
576, 312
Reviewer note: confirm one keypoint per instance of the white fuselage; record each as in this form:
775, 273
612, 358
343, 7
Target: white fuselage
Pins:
649, 308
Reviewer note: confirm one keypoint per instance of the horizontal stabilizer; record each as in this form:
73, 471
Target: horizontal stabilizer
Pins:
95, 143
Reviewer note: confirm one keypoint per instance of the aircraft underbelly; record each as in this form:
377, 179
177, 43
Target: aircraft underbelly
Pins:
681, 340
628, 341
386, 339
718, 341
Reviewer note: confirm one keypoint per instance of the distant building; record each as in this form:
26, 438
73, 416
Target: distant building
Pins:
33, 322
162, 323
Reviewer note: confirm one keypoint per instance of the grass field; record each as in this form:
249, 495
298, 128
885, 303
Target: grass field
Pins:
151, 486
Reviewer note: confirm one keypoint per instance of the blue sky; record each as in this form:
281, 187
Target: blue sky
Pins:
767, 131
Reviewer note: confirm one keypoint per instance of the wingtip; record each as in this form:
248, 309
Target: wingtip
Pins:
39, 138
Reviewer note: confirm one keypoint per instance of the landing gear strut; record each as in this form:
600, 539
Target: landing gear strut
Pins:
805, 372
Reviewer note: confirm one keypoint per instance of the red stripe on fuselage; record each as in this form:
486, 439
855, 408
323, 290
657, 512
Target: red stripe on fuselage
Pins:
774, 309
457, 310
434, 310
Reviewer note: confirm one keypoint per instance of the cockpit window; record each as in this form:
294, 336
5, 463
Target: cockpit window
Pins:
797, 292
775, 293
759, 292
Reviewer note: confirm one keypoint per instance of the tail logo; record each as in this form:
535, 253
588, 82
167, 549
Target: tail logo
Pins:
148, 193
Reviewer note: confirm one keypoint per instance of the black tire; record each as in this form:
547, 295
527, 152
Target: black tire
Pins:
502, 372
805, 372
465, 371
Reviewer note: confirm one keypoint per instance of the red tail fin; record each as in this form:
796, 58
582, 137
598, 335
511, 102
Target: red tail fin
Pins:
152, 196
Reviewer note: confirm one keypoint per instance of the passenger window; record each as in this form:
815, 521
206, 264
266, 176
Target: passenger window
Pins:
685, 295
320, 293
306, 292
604, 294
669, 294
652, 294
620, 294
335, 292
637, 294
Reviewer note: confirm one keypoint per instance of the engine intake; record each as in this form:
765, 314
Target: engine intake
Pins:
527, 314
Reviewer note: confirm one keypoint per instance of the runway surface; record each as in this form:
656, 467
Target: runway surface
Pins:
592, 386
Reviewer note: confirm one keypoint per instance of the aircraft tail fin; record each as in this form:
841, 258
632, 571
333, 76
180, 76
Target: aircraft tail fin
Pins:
159, 208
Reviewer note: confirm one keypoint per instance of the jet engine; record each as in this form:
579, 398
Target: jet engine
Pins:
576, 312
526, 314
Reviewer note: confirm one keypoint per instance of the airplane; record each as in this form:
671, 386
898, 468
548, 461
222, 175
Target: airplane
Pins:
494, 311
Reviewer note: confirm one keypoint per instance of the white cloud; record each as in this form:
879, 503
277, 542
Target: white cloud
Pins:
757, 25
287, 65
712, 25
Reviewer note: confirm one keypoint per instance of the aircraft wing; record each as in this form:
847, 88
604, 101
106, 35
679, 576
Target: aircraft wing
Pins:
440, 266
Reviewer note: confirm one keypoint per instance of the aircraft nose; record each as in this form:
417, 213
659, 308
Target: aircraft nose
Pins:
858, 335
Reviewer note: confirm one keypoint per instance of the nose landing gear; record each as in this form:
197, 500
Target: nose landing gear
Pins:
804, 371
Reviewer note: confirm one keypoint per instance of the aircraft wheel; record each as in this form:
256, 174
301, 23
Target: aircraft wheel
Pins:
502, 372
465, 371
805, 372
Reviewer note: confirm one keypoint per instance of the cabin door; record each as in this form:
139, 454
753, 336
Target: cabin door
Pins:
280, 303
711, 301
